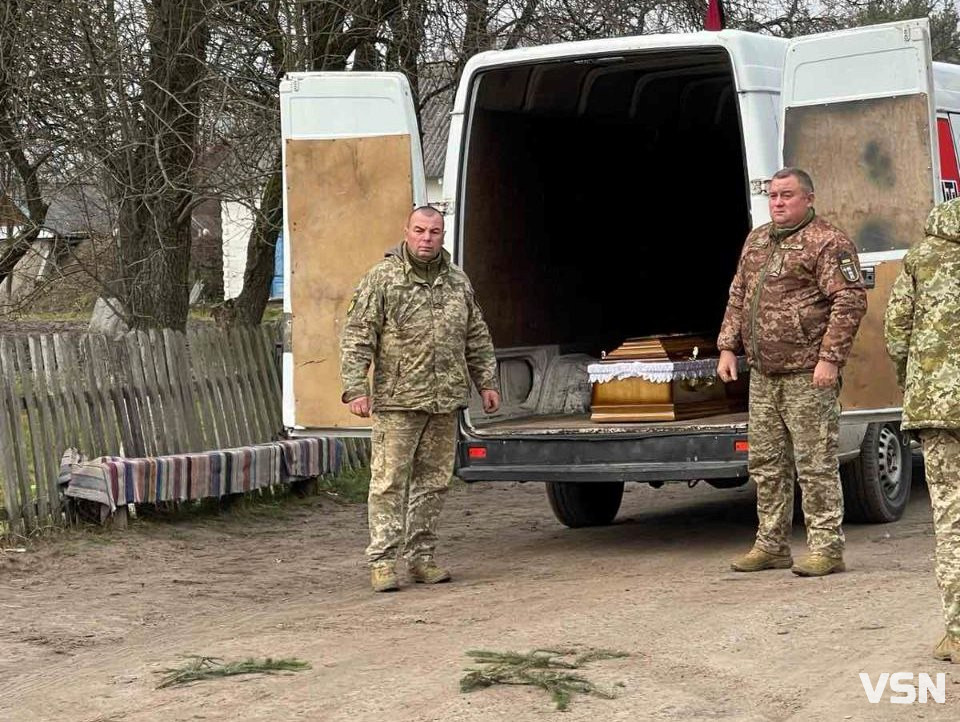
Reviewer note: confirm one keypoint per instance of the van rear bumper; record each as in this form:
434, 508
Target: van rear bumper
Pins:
710, 455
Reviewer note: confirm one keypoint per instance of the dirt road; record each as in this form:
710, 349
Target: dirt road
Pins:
87, 621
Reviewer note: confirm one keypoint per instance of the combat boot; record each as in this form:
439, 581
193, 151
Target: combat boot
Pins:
948, 650
427, 572
383, 578
756, 560
818, 565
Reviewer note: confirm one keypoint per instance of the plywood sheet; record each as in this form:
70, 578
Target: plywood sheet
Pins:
871, 165
870, 379
348, 200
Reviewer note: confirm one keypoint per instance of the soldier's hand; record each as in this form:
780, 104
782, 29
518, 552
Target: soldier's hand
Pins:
727, 366
360, 406
491, 400
825, 374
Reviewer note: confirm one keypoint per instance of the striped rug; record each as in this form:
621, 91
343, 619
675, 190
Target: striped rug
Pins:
114, 481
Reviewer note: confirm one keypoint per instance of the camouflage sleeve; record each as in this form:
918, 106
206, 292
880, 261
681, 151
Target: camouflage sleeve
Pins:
898, 322
360, 338
481, 359
729, 338
839, 278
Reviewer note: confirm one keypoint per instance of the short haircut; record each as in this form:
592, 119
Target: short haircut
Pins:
425, 210
803, 178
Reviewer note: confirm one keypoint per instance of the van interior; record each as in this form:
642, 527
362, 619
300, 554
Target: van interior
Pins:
605, 198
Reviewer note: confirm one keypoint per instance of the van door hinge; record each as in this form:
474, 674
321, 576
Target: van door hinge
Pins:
287, 333
759, 186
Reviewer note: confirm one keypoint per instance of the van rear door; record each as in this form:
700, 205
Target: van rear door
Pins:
353, 170
858, 115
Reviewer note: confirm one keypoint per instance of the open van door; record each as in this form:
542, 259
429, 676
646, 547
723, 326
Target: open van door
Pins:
352, 171
859, 117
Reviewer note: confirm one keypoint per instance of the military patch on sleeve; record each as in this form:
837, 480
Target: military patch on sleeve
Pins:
848, 267
353, 302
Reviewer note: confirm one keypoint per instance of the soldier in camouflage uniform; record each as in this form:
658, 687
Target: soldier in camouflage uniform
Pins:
795, 305
923, 339
413, 317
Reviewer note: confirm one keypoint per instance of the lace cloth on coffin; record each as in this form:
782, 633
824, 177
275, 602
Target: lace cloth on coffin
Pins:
660, 372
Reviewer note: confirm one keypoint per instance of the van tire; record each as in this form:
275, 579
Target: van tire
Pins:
590, 503
876, 485
731, 482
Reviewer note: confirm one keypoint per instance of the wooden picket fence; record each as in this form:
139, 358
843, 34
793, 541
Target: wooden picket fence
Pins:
146, 394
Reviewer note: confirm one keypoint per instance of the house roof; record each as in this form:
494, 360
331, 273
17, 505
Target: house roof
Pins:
79, 210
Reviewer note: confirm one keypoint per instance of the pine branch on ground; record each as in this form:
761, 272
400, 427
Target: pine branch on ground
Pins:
200, 668
544, 668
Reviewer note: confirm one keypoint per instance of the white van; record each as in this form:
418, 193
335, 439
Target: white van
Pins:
602, 190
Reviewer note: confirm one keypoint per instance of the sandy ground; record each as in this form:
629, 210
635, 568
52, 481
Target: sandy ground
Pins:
89, 618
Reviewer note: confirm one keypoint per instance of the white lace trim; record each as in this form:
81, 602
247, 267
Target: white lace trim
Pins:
660, 372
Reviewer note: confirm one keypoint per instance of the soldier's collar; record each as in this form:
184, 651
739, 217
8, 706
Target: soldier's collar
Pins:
779, 234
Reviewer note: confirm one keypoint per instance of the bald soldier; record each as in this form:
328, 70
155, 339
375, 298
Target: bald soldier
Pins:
414, 317
923, 339
795, 305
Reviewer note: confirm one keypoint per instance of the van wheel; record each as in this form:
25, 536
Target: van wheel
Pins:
590, 503
729, 483
876, 486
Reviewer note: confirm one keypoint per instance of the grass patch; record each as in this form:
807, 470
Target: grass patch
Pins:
549, 669
200, 668
350, 484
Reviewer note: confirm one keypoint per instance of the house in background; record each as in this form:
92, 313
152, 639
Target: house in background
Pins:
77, 213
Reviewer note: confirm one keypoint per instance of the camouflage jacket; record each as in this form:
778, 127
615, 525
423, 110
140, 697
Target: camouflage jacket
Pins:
796, 301
426, 342
922, 324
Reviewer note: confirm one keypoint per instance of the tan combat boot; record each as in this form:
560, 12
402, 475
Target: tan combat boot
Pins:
383, 578
818, 565
756, 560
948, 650
427, 572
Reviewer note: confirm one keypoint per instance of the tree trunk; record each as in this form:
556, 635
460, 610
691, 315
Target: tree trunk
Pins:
155, 207
247, 308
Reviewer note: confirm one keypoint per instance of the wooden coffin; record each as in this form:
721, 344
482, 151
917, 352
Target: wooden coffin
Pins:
667, 378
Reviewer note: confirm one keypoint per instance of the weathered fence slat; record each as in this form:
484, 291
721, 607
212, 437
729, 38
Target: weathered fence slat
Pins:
51, 377
172, 411
202, 393
138, 388
95, 407
53, 446
70, 373
8, 464
120, 357
98, 379
158, 412
215, 351
211, 379
267, 432
35, 429
264, 348
13, 409
257, 429
179, 370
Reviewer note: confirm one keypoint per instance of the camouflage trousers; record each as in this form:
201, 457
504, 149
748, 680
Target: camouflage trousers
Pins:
941, 456
793, 435
410, 470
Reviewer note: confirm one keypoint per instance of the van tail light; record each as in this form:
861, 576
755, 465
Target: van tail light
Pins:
476, 452
741, 445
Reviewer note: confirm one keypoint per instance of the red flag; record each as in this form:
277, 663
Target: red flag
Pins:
714, 19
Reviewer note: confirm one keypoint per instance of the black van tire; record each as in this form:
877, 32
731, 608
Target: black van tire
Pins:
876, 485
579, 503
